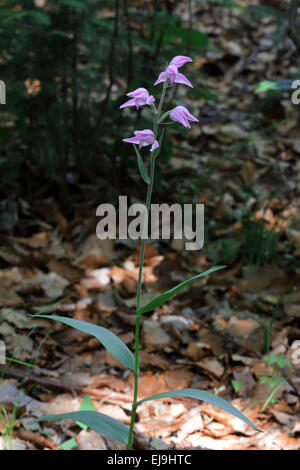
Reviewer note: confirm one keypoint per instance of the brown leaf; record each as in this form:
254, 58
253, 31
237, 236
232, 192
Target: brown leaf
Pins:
212, 366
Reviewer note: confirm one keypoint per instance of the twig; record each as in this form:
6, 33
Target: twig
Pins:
129, 75
111, 58
129, 41
292, 23
40, 441
18, 374
188, 45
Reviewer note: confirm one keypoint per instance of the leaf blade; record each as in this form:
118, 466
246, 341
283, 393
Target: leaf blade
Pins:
141, 165
204, 396
100, 422
109, 340
86, 405
161, 299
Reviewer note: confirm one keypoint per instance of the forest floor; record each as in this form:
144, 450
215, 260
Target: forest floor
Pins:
235, 333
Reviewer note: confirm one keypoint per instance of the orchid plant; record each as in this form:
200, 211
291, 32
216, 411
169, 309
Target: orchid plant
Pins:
144, 138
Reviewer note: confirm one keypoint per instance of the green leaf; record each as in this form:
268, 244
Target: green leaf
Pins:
6, 16
70, 444
236, 384
11, 359
280, 361
272, 381
282, 85
92, 419
266, 85
227, 3
109, 340
163, 298
86, 405
58, 32
74, 4
204, 396
40, 17
141, 165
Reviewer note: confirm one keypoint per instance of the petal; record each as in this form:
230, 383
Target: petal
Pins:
146, 134
174, 116
143, 143
150, 100
162, 78
179, 60
128, 103
176, 113
132, 140
189, 116
180, 78
138, 93
154, 146
172, 72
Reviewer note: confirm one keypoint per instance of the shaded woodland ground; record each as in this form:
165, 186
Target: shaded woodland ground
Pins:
234, 333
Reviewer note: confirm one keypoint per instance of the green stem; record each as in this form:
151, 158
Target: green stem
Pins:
271, 396
141, 263
157, 117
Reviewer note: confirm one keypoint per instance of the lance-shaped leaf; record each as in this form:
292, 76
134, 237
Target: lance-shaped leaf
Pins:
101, 423
109, 340
163, 298
204, 396
86, 405
141, 165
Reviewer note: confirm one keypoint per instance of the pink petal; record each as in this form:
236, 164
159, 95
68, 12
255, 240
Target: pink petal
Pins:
128, 103
189, 116
138, 93
162, 78
180, 78
132, 140
146, 134
182, 115
154, 146
150, 100
180, 60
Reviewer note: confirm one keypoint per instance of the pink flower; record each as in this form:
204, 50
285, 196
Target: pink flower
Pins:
143, 138
182, 115
180, 60
140, 97
172, 73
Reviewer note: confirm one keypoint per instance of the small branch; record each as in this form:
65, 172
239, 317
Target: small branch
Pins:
190, 9
129, 41
292, 23
129, 76
49, 383
37, 439
111, 58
